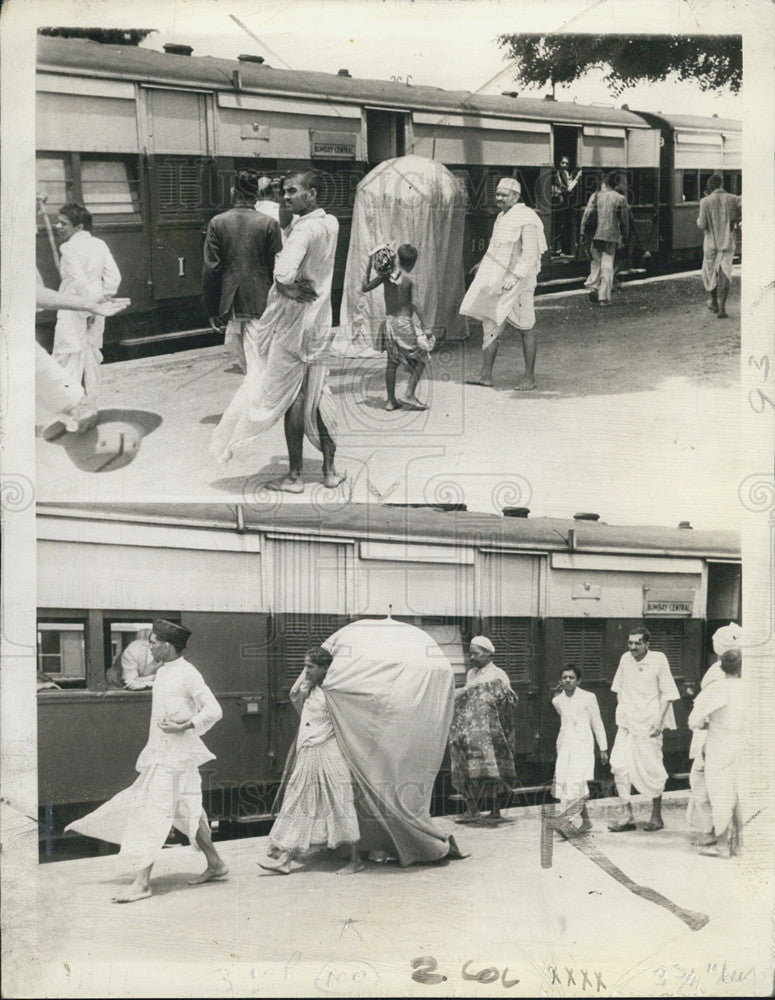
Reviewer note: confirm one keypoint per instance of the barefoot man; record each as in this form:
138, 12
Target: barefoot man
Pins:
646, 691
501, 294
169, 789
287, 366
719, 216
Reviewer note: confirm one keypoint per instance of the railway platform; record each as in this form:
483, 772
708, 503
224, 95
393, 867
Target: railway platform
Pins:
656, 366
494, 924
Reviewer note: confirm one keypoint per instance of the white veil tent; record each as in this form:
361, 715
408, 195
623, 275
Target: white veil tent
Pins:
409, 199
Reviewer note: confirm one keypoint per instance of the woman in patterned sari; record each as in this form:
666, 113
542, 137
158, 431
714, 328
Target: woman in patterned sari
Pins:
483, 735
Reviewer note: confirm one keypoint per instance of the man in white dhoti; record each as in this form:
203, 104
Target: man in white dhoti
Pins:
288, 348
646, 690
169, 789
502, 291
719, 215
719, 710
87, 269
55, 392
580, 726
699, 815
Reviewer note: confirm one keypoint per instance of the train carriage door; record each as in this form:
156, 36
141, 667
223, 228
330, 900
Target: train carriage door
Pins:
386, 134
566, 205
724, 602
179, 138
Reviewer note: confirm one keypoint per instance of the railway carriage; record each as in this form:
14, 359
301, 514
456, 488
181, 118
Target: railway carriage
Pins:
258, 585
148, 141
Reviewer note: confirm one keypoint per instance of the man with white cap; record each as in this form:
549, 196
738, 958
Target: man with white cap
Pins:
502, 291
646, 690
169, 789
699, 815
483, 736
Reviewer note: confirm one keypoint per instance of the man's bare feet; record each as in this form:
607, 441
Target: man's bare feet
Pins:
350, 869
703, 840
722, 314
585, 827
392, 405
467, 817
413, 403
479, 380
219, 871
133, 893
715, 853
713, 306
292, 483
333, 479
525, 384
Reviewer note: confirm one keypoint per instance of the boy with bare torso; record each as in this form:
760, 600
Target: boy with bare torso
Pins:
405, 345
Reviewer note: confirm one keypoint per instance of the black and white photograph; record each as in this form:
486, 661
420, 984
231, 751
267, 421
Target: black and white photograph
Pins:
387, 498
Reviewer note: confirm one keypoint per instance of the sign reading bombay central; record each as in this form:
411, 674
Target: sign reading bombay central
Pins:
332, 145
668, 603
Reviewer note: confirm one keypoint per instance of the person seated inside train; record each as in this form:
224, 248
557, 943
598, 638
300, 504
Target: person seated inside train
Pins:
405, 341
135, 667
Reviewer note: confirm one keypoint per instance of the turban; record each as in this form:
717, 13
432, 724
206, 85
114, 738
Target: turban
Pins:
170, 632
483, 642
728, 637
509, 184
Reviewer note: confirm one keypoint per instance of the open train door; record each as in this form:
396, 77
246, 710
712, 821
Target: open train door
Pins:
725, 591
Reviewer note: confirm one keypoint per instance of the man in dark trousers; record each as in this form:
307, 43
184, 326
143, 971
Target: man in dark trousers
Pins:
239, 253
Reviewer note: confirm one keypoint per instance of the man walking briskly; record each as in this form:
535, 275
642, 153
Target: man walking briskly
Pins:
288, 348
646, 691
239, 256
611, 231
501, 294
720, 213
169, 788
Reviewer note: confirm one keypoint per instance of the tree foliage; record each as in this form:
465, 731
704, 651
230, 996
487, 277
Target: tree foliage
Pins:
712, 61
108, 36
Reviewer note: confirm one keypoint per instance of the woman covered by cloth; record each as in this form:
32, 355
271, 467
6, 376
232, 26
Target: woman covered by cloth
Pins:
482, 737
318, 809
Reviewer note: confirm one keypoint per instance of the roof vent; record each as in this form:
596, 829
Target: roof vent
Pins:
251, 59
516, 511
344, 72
173, 49
549, 97
586, 517
509, 93
685, 524
625, 107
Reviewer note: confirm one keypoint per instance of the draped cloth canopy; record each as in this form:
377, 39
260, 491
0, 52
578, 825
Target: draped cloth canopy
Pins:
390, 693
414, 200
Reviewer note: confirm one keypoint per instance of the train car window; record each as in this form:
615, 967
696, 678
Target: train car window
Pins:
583, 645
61, 655
111, 189
668, 638
687, 185
118, 635
54, 179
293, 634
179, 185
513, 648
450, 639
642, 186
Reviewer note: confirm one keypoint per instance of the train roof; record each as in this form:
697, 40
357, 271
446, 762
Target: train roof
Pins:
90, 58
423, 523
695, 122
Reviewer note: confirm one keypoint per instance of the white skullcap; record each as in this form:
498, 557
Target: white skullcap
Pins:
728, 637
483, 642
510, 184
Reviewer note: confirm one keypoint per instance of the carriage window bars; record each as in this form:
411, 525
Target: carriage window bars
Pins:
110, 189
583, 645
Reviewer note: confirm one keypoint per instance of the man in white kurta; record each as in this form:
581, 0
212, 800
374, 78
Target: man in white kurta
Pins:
646, 690
580, 726
288, 350
502, 291
699, 815
720, 214
719, 710
87, 268
168, 791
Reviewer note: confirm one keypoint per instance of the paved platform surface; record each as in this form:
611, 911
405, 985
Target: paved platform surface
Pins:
635, 413
495, 924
